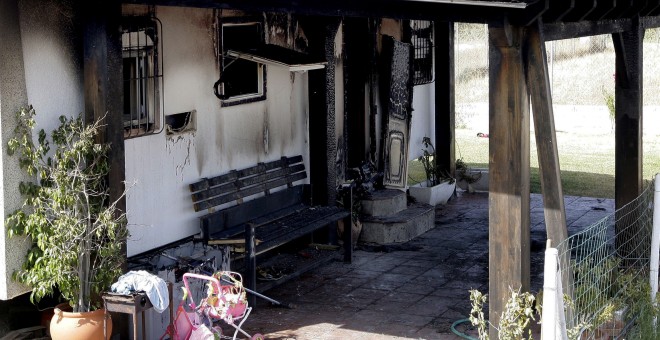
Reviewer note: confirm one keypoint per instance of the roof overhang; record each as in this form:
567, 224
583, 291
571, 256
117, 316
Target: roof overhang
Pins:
279, 56
442, 10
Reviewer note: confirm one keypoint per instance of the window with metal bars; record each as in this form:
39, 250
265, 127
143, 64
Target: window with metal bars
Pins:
143, 76
422, 41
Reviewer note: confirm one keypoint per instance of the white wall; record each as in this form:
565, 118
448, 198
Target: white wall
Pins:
51, 72
53, 66
423, 118
159, 206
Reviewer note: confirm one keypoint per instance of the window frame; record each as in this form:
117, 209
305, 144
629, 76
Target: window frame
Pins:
423, 53
143, 90
227, 61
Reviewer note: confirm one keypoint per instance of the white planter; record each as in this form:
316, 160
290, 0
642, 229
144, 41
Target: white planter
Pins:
480, 185
438, 194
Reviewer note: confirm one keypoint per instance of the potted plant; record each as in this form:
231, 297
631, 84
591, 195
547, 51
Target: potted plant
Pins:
350, 195
470, 179
77, 232
439, 186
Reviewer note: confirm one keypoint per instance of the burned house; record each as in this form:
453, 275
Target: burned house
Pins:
196, 89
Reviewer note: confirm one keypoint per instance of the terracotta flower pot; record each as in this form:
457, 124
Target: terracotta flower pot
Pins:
73, 326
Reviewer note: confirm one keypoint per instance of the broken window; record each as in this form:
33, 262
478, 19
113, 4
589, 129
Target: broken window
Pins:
422, 41
143, 76
241, 80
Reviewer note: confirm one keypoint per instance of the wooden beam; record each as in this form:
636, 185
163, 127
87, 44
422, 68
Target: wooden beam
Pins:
605, 8
103, 95
445, 105
621, 8
104, 91
628, 47
558, 9
569, 30
357, 53
655, 11
634, 8
538, 84
531, 14
477, 12
322, 113
508, 200
651, 6
650, 22
581, 10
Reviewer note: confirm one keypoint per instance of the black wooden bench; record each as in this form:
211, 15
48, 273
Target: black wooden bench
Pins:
268, 221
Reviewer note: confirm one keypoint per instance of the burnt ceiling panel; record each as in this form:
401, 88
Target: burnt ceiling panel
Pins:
478, 11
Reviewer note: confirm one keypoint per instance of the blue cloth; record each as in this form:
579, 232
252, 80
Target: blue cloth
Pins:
140, 280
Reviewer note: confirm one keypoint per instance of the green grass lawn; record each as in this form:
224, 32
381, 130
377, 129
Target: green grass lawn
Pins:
586, 161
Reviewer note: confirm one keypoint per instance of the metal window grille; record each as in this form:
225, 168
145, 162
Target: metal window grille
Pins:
143, 76
422, 41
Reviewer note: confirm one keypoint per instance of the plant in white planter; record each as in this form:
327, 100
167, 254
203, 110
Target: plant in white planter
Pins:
77, 231
439, 186
468, 177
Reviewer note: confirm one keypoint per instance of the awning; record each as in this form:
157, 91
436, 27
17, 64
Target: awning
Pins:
489, 3
279, 56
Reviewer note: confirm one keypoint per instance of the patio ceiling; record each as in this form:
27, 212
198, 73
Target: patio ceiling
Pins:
517, 11
446, 10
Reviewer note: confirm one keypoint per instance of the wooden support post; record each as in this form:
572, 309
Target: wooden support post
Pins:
628, 176
104, 89
103, 94
508, 200
538, 84
629, 103
445, 105
322, 124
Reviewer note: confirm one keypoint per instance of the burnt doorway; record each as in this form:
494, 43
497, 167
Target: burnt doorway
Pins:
396, 98
359, 54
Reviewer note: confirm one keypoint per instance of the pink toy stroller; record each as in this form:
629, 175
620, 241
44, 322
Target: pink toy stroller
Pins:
225, 301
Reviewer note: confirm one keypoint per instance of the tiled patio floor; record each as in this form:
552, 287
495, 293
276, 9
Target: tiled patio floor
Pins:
412, 291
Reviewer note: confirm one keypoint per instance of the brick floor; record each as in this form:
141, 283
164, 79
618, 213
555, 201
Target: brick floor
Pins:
413, 292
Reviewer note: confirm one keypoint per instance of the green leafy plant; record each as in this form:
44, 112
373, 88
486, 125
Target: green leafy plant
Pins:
463, 173
515, 320
77, 232
609, 295
434, 174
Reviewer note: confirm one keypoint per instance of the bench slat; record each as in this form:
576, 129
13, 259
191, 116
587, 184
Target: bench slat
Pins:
246, 182
238, 215
288, 228
278, 228
248, 191
239, 229
274, 219
305, 229
236, 174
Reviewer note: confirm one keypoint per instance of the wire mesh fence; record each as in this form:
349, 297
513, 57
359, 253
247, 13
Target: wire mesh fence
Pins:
606, 269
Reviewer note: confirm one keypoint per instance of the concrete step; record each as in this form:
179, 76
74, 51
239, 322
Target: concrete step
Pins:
401, 227
384, 203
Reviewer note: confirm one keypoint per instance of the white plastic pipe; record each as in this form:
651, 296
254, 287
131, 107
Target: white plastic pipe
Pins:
655, 239
561, 316
549, 316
